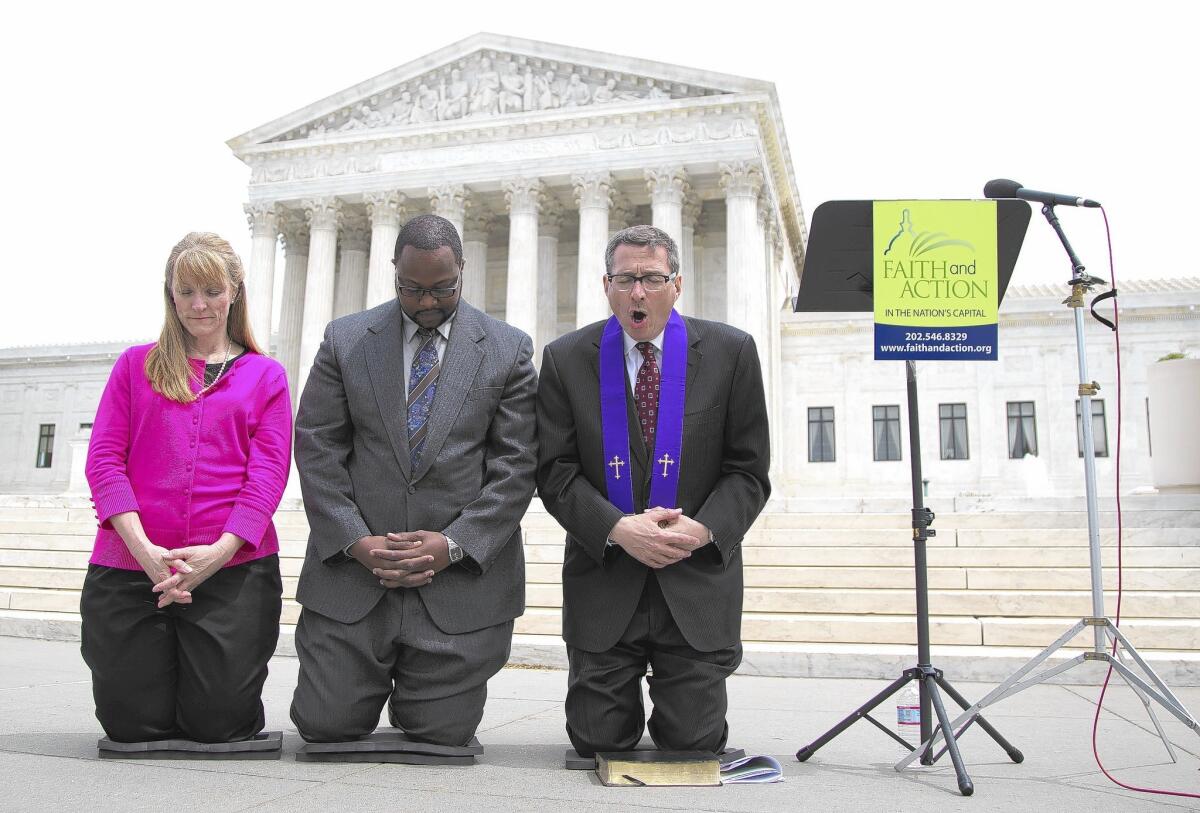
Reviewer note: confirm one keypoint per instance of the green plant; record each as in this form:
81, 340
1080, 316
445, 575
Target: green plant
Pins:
1173, 356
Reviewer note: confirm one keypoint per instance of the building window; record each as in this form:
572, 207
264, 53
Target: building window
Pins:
952, 422
45, 450
1022, 429
885, 421
820, 435
83, 426
1099, 428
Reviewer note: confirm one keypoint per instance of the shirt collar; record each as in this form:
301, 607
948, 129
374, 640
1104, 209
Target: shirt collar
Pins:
632, 343
411, 327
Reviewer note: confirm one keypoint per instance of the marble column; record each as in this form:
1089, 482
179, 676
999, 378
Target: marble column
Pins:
450, 200
772, 355
524, 198
386, 211
746, 262
668, 187
689, 299
350, 291
620, 214
77, 483
549, 226
68, 425
324, 217
742, 182
260, 276
291, 314
476, 229
593, 194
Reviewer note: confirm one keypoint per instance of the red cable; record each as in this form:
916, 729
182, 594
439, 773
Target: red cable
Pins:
1120, 527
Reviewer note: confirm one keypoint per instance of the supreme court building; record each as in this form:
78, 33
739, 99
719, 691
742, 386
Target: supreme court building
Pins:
538, 153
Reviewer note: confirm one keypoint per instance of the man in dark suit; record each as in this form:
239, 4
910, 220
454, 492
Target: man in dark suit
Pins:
415, 443
653, 577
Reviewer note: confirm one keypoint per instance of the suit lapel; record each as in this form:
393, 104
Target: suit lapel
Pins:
461, 360
385, 366
695, 356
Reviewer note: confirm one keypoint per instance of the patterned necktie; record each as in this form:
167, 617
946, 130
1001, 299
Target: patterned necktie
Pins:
422, 385
646, 394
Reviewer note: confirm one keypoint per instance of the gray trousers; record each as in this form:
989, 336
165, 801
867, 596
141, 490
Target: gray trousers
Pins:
434, 683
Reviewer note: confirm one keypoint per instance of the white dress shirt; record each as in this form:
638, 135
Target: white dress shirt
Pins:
634, 359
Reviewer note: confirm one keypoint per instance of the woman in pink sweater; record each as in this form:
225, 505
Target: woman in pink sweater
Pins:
188, 460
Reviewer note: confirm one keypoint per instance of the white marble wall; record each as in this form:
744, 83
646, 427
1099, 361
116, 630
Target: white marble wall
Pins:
828, 362
46, 385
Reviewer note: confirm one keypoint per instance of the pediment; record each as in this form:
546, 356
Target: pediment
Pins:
491, 76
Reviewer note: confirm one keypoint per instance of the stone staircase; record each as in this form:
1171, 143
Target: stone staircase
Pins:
828, 592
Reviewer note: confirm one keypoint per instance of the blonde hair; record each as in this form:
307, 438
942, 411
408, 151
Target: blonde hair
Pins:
205, 259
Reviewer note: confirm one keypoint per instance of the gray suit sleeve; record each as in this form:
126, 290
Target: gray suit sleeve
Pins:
324, 439
744, 486
488, 521
570, 498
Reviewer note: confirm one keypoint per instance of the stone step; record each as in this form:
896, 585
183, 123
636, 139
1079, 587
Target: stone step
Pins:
1168, 634
1063, 605
771, 628
294, 535
937, 557
65, 570
1010, 603
295, 523
1133, 578
33, 550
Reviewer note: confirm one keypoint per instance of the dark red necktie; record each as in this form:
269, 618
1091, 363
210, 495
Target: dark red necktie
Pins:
646, 394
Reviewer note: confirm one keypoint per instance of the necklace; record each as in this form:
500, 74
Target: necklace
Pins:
221, 371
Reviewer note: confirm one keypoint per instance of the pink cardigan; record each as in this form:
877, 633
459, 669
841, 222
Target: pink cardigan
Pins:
191, 471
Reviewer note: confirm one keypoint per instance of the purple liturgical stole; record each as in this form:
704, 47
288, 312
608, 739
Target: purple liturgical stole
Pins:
664, 482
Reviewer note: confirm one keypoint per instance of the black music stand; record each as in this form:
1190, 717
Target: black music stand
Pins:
838, 276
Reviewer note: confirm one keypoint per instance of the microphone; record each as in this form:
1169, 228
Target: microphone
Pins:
1003, 188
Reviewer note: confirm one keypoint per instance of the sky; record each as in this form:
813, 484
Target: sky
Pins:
118, 114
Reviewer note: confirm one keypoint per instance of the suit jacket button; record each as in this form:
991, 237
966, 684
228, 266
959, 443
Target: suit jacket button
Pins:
412, 489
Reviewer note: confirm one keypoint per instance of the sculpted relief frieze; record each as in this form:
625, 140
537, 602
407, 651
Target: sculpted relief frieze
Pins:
493, 84
338, 160
699, 131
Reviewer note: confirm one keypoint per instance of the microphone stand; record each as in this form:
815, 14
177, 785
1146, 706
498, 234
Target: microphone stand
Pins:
1105, 632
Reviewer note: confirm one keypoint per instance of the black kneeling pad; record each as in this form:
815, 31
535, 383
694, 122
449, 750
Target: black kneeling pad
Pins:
390, 745
574, 762
267, 745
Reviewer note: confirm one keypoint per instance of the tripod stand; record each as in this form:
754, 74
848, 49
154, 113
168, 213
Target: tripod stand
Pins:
929, 679
838, 274
1109, 644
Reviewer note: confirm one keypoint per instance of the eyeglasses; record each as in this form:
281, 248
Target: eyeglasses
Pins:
436, 293
651, 283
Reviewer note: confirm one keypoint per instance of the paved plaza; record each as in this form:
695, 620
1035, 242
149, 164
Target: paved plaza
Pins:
48, 755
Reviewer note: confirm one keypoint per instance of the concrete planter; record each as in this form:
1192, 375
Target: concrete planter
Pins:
1174, 387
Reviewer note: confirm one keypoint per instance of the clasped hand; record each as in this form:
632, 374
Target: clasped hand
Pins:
659, 537
404, 559
181, 570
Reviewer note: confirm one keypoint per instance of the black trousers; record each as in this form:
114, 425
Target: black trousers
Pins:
687, 688
193, 671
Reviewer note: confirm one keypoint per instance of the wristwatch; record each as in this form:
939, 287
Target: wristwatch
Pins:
456, 553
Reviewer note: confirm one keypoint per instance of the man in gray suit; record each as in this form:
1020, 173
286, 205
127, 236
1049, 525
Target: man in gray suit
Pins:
415, 443
653, 455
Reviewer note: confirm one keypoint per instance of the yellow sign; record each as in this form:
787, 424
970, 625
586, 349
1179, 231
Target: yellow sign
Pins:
936, 279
